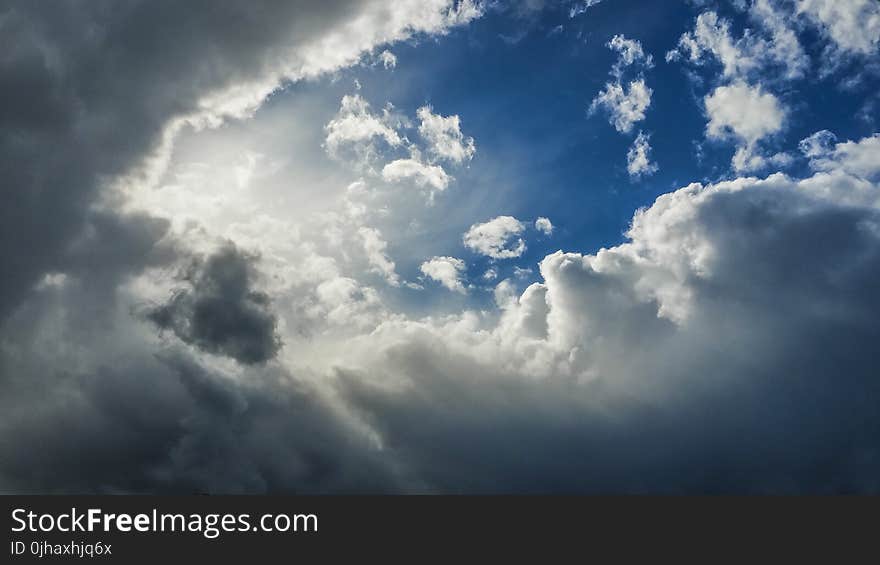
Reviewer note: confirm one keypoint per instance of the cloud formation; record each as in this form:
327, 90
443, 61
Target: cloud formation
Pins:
219, 311
447, 271
638, 158
497, 238
748, 115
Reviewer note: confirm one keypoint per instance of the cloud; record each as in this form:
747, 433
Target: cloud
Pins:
626, 105
219, 311
638, 158
445, 270
630, 53
375, 247
818, 144
722, 308
778, 47
853, 25
856, 158
581, 7
748, 115
432, 177
64, 98
443, 136
497, 238
351, 135
388, 59
544, 225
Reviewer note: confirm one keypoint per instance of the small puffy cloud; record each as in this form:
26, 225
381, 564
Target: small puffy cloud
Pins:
355, 129
747, 114
388, 59
447, 271
444, 137
220, 312
544, 225
432, 177
497, 238
630, 52
638, 158
853, 25
491, 274
625, 105
818, 145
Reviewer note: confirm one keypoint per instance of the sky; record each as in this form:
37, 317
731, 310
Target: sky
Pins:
440, 246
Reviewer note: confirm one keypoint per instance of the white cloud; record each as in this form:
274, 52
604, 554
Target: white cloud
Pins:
356, 127
443, 136
859, 158
375, 248
746, 114
491, 274
447, 271
638, 158
751, 53
497, 238
818, 145
432, 177
388, 59
581, 7
853, 25
625, 105
630, 53
544, 225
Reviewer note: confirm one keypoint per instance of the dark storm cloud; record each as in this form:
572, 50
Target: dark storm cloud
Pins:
167, 424
88, 87
220, 312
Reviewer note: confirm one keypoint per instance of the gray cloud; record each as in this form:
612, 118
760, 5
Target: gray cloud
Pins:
220, 312
91, 88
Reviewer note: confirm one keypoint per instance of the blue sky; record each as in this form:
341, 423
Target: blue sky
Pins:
522, 84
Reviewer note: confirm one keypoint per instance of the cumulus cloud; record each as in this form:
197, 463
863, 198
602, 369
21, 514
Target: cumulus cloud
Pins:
630, 52
424, 175
852, 25
723, 307
638, 158
219, 311
544, 225
746, 113
388, 59
352, 133
725, 346
498, 238
774, 45
627, 348
625, 104
859, 158
447, 271
443, 136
